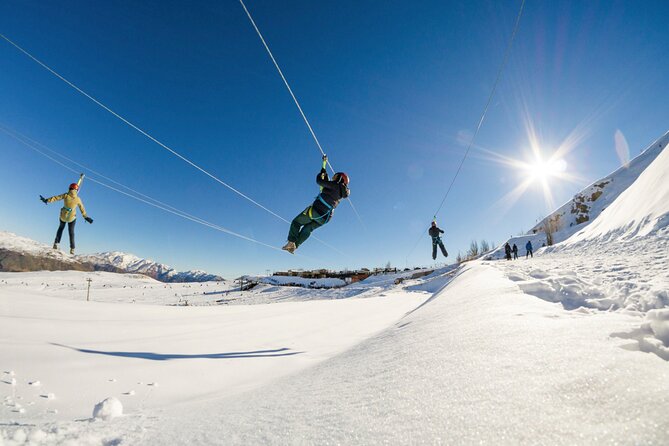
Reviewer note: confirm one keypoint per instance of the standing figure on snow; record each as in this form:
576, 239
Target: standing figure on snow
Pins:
434, 232
507, 251
515, 252
321, 210
528, 247
68, 213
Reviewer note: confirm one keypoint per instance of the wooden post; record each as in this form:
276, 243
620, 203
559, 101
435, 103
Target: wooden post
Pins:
88, 291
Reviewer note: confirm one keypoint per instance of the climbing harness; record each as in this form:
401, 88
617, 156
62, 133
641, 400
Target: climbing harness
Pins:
327, 215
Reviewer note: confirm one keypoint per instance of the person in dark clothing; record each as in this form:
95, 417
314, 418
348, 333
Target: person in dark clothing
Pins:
528, 247
507, 251
321, 210
435, 232
515, 252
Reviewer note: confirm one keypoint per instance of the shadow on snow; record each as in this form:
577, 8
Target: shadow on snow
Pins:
167, 357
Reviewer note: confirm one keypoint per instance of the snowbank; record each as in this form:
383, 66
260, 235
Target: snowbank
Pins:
639, 211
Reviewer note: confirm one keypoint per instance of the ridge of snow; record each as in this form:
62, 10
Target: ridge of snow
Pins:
160, 271
594, 201
639, 210
589, 203
24, 245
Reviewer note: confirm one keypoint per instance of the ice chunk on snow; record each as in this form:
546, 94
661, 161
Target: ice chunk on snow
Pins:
37, 436
20, 436
659, 323
108, 409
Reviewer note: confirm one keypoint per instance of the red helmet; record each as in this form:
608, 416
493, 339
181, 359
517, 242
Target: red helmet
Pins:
340, 177
74, 186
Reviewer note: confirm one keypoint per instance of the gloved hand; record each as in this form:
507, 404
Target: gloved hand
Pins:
325, 158
43, 199
89, 220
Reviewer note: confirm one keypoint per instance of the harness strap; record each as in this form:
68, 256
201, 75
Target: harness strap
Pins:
327, 215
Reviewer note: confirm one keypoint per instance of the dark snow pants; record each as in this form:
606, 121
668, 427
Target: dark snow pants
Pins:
529, 254
70, 229
436, 241
302, 227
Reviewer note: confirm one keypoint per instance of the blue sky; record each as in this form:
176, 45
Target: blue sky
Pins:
391, 88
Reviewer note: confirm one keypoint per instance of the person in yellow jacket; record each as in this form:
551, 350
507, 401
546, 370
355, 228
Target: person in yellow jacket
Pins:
68, 213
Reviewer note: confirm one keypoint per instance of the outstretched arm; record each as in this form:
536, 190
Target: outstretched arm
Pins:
55, 198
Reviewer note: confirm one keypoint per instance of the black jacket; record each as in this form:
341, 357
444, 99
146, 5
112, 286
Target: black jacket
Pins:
332, 194
434, 231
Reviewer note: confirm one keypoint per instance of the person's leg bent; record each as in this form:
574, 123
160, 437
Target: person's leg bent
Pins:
299, 221
306, 231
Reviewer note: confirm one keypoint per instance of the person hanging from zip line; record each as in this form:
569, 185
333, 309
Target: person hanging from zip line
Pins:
68, 213
435, 232
321, 210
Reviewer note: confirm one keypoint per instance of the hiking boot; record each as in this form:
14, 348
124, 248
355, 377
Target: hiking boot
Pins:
72, 251
55, 246
290, 247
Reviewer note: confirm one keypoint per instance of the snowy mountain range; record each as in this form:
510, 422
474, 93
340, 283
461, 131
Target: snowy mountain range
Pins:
23, 254
109, 261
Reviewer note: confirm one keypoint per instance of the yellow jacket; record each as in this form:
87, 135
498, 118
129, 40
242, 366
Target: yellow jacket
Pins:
71, 201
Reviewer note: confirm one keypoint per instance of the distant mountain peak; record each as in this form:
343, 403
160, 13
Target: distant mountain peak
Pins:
19, 253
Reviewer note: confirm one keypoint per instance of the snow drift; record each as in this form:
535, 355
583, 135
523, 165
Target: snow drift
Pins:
642, 209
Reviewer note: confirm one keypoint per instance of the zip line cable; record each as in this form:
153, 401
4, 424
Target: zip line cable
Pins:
30, 143
164, 146
505, 59
297, 103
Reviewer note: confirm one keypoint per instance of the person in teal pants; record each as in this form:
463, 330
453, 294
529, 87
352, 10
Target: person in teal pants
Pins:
321, 210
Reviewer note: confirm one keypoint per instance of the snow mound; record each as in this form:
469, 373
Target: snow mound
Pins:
640, 210
659, 323
108, 409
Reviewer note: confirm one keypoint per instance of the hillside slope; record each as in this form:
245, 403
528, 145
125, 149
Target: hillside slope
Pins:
586, 205
21, 254
641, 210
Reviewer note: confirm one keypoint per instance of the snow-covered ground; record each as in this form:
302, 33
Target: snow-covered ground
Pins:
437, 360
60, 356
568, 347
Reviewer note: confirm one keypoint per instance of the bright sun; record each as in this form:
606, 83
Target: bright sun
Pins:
543, 170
